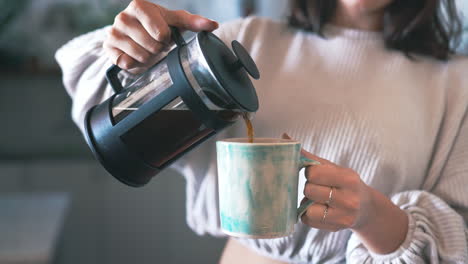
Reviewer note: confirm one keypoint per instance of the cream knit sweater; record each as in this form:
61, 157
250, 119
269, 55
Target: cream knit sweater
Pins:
401, 124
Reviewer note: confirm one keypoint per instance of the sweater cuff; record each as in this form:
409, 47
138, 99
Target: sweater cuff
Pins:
355, 246
435, 233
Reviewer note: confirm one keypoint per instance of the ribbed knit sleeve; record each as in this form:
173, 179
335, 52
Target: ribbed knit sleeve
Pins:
438, 213
436, 234
84, 64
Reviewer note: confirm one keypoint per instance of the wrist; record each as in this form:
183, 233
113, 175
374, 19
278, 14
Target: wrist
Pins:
385, 225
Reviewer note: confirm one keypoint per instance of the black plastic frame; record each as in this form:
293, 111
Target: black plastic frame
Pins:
104, 137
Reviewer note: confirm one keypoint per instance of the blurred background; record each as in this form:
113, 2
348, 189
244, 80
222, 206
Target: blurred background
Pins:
57, 205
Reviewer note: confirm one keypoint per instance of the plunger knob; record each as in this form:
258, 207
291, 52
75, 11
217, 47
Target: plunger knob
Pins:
244, 60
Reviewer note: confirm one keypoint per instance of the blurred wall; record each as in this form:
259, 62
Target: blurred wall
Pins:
275, 9
463, 5
45, 25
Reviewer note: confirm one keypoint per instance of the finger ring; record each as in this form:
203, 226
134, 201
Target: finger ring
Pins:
117, 59
325, 212
330, 197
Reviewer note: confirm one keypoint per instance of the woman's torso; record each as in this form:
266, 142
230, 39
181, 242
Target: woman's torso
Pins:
348, 100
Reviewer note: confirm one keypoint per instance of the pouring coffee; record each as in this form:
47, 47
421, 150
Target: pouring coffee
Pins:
197, 90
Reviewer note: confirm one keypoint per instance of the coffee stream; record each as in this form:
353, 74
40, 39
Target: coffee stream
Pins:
250, 129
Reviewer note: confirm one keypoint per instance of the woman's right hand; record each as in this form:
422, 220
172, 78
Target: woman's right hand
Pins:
141, 32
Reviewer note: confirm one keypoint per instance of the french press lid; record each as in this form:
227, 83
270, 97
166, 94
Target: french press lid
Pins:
229, 69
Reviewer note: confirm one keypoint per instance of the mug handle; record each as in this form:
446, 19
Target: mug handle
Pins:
305, 162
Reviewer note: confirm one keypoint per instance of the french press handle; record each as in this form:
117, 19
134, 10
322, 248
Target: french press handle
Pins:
113, 72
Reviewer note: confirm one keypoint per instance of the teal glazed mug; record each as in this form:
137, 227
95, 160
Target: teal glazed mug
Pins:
258, 185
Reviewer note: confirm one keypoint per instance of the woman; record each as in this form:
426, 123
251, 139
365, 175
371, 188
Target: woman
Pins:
370, 87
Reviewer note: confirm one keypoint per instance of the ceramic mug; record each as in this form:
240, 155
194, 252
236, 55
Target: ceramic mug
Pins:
258, 185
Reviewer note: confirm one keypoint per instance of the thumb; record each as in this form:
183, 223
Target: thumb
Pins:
285, 136
185, 20
307, 154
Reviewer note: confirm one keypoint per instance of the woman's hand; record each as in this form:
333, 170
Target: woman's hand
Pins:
344, 201
141, 32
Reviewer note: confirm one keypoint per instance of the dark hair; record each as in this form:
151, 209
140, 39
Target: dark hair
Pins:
425, 27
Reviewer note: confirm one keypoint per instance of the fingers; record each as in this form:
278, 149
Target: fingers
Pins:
314, 157
119, 58
156, 20
322, 217
321, 194
185, 20
285, 136
307, 154
314, 217
124, 43
139, 34
325, 174
142, 32
150, 16
333, 175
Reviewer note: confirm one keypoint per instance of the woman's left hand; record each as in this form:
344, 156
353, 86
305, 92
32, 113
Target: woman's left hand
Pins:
342, 199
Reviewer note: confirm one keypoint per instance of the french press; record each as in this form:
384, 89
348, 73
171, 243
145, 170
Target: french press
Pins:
197, 90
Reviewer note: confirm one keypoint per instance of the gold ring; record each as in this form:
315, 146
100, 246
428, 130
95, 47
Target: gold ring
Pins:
117, 59
330, 197
325, 212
